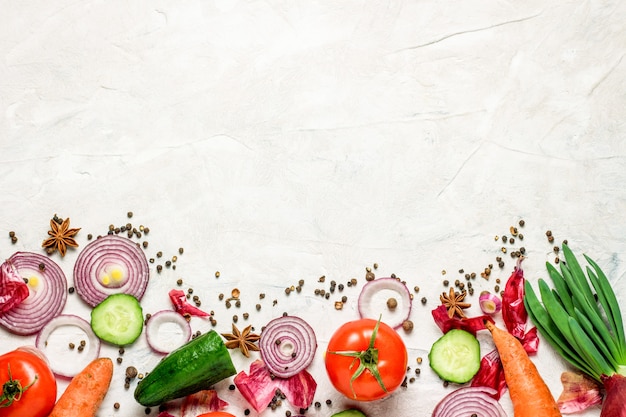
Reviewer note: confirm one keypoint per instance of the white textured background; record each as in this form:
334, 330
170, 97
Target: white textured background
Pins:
281, 140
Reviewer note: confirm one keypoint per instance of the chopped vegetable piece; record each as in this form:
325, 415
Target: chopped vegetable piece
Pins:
204, 401
179, 300
172, 339
375, 296
579, 393
529, 393
489, 303
455, 356
349, 413
118, 319
469, 401
193, 367
469, 324
85, 393
13, 289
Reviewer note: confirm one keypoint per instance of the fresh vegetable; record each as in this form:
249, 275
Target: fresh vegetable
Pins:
579, 393
581, 319
366, 360
158, 323
111, 264
118, 319
287, 345
259, 387
13, 289
455, 356
28, 385
195, 366
203, 401
86, 391
217, 414
349, 413
447, 323
489, 303
374, 296
68, 370
47, 289
179, 300
528, 391
470, 401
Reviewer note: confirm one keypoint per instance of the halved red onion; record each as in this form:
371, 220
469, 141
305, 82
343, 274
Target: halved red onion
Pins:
467, 401
287, 345
110, 264
58, 361
164, 340
489, 303
47, 288
374, 297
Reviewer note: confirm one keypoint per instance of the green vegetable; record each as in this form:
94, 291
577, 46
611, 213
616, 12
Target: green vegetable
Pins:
349, 413
580, 317
193, 367
455, 356
118, 319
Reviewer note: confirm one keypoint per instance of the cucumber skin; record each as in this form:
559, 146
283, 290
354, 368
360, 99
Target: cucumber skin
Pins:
349, 413
195, 366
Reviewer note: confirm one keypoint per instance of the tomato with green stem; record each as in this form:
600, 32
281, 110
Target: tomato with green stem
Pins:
28, 385
366, 360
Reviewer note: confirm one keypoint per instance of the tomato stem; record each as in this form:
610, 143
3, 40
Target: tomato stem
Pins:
368, 360
12, 390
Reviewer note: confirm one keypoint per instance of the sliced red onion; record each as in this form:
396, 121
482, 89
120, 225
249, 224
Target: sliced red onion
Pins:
287, 345
489, 303
59, 362
466, 401
374, 298
47, 288
110, 265
163, 340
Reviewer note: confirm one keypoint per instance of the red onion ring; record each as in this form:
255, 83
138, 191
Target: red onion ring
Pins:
467, 401
47, 294
158, 342
110, 264
78, 361
374, 296
287, 346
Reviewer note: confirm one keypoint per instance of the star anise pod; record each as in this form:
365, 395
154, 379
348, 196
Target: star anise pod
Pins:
243, 340
61, 236
454, 302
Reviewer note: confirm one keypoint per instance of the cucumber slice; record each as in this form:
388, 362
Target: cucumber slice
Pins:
455, 356
349, 413
118, 319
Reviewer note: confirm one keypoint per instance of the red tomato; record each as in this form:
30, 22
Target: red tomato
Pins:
216, 414
26, 370
355, 336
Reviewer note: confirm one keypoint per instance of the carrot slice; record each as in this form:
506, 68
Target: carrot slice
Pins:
86, 391
529, 393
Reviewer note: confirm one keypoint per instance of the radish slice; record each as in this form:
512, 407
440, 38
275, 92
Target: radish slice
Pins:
166, 331
374, 301
47, 294
109, 265
287, 345
467, 401
57, 335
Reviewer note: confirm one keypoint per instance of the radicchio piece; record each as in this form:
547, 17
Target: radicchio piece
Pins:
201, 402
179, 299
470, 324
491, 374
165, 414
579, 393
13, 289
258, 387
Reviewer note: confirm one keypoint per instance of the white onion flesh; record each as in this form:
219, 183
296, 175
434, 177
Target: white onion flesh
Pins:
63, 361
155, 329
373, 301
47, 288
466, 401
111, 264
287, 345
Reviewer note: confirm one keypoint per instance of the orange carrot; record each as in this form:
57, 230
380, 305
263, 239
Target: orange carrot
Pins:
529, 393
85, 393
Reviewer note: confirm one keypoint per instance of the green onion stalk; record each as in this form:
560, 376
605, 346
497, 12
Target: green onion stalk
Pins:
581, 319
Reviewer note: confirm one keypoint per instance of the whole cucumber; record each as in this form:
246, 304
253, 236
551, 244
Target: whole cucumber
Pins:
195, 366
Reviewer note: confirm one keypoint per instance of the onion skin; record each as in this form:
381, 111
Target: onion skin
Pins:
614, 404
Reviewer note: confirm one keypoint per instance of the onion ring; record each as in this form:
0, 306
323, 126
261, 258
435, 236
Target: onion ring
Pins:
373, 301
468, 400
47, 287
110, 265
92, 344
287, 346
161, 344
